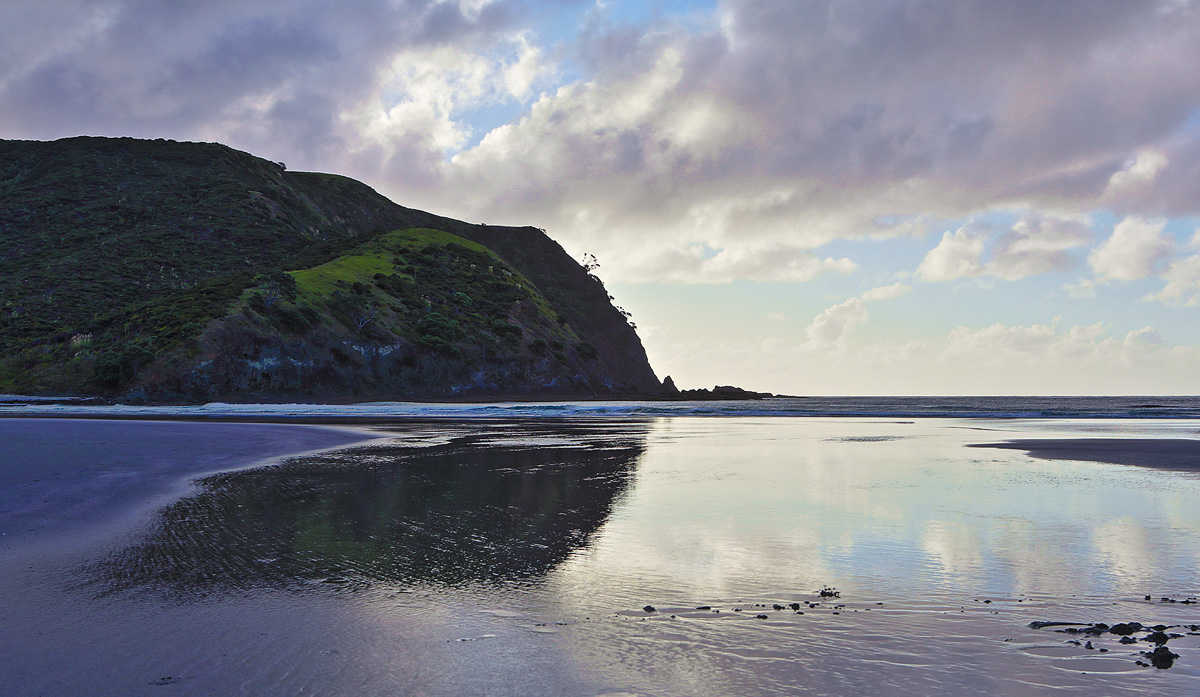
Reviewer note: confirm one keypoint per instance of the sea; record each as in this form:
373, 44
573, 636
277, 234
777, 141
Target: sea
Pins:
817, 546
1104, 407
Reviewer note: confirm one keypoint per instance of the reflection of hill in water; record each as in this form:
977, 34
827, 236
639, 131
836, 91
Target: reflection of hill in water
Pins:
447, 514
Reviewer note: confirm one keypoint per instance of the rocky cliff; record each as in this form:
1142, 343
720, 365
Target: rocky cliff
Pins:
192, 271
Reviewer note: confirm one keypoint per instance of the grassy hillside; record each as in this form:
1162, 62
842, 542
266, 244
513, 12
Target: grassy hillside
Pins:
126, 264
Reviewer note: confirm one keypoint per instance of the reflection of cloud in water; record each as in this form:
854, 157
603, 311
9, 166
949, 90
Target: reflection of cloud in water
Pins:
954, 547
1122, 544
449, 514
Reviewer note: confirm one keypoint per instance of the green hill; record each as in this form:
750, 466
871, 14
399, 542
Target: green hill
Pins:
194, 271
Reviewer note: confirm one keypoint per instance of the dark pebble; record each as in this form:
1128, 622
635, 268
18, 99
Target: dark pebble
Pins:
795, 606
1125, 628
760, 617
704, 607
777, 607
649, 608
1128, 640
1157, 638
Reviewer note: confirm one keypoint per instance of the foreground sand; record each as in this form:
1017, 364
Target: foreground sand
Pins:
62, 478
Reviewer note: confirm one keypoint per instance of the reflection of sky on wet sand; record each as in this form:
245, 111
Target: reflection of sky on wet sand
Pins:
549, 538
737, 512
742, 506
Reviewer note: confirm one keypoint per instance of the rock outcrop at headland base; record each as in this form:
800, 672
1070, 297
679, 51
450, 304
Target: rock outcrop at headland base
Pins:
192, 271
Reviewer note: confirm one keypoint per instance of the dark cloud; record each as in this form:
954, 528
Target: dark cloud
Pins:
282, 70
777, 123
812, 118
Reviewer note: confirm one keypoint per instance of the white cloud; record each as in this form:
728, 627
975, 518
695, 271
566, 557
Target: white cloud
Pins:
829, 328
1182, 283
520, 76
1136, 249
895, 290
769, 262
1037, 244
958, 255
1137, 173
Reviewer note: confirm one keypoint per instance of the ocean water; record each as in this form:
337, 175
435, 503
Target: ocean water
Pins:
635, 553
1129, 407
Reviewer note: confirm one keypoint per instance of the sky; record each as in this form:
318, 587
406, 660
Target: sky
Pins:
796, 196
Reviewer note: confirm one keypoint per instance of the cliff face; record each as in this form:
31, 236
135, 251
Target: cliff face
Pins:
194, 271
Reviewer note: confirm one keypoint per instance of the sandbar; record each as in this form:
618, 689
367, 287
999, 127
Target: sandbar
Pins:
1164, 453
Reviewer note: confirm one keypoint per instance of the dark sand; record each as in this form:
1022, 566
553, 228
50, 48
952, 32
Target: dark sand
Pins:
1164, 453
60, 478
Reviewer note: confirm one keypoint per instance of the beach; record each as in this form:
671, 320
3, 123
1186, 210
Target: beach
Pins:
625, 555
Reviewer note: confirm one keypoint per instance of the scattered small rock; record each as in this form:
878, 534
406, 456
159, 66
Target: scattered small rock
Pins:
168, 680
760, 617
649, 608
1162, 658
1158, 638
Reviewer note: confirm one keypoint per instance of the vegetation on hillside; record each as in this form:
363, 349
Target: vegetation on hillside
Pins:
127, 263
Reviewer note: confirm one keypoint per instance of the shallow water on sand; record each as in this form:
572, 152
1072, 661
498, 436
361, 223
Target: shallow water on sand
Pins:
517, 558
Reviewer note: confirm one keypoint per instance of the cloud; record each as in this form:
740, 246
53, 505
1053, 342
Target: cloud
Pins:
995, 359
1182, 283
1035, 244
1137, 248
271, 77
829, 328
958, 255
765, 125
1038, 244
804, 123
1137, 174
1045, 347
895, 290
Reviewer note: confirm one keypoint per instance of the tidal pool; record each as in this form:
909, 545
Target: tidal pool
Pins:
645, 556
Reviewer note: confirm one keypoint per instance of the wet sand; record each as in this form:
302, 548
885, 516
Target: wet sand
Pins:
517, 558
63, 478
1164, 453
